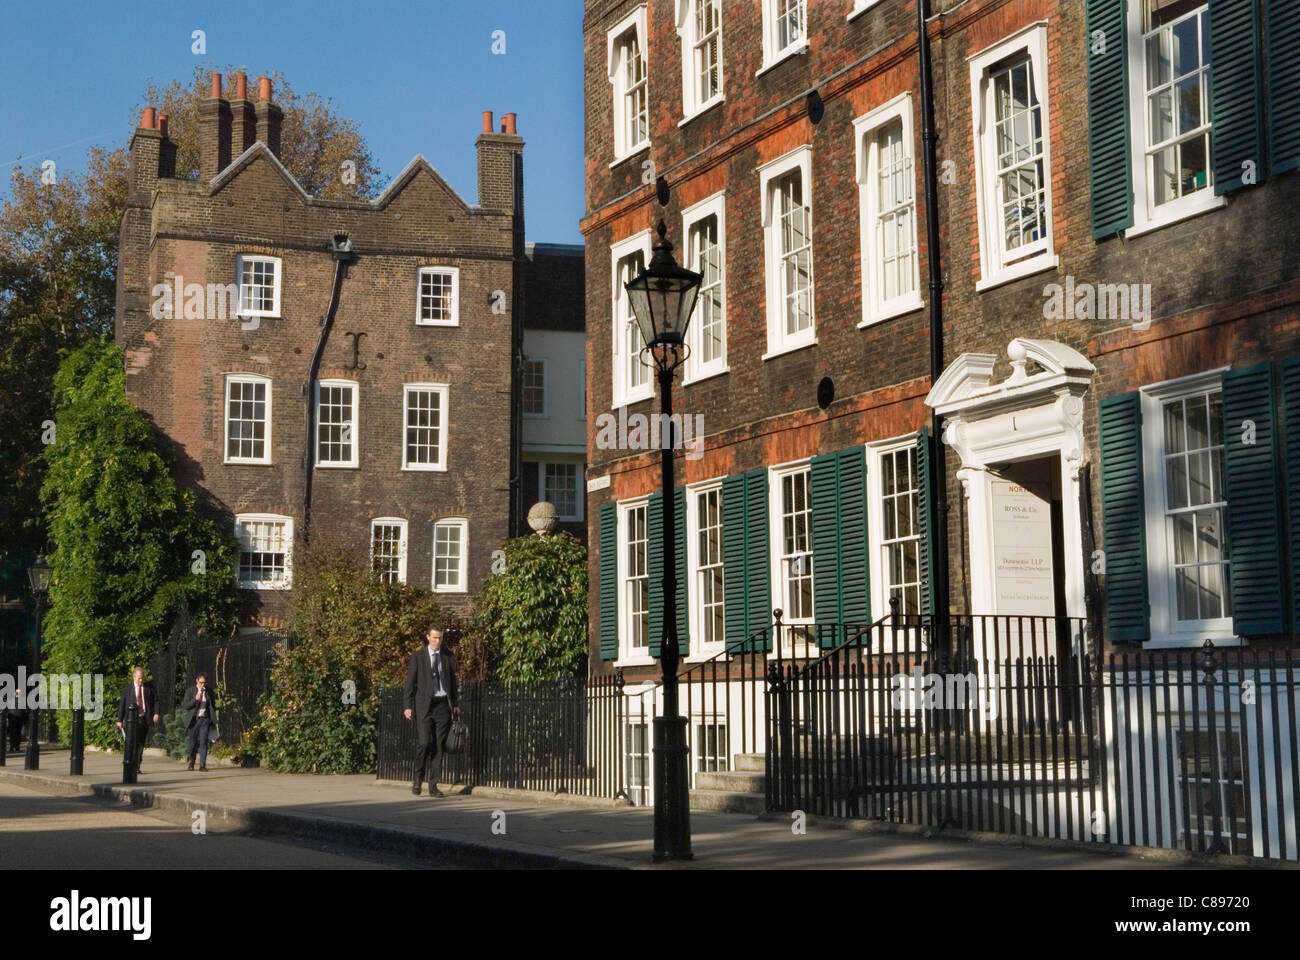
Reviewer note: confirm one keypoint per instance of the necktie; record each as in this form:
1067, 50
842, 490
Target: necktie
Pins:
139, 698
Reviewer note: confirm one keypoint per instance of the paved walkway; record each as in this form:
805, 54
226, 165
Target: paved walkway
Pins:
360, 812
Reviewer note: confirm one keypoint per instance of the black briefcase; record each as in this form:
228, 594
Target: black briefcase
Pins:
457, 736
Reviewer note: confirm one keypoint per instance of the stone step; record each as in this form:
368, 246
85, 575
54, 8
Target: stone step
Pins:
732, 781
751, 761
723, 801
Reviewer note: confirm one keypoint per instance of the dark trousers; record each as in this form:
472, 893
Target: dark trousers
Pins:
14, 730
431, 740
199, 739
141, 737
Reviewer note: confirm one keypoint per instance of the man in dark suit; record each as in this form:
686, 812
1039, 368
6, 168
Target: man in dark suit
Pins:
201, 711
146, 703
432, 699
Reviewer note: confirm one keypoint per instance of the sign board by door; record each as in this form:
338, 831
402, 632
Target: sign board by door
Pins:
1022, 548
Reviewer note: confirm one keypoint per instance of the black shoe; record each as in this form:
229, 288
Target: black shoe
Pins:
203, 769
415, 789
435, 792
191, 766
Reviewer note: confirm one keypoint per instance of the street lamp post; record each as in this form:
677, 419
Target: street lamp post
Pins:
662, 299
38, 578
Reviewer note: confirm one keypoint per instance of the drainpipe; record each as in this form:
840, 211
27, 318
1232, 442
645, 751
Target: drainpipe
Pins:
341, 251
938, 470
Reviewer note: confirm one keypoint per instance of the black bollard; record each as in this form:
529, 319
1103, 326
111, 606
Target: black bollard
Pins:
78, 762
130, 731
54, 728
4, 735
33, 761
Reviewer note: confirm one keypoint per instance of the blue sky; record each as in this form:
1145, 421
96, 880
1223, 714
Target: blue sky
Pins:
416, 76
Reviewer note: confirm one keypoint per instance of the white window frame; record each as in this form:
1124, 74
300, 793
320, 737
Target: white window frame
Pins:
861, 6
996, 265
876, 565
770, 174
355, 424
247, 258
546, 390
462, 568
692, 105
287, 583
614, 63
696, 368
619, 302
254, 378
579, 491
776, 478
444, 426
866, 130
627, 655
401, 546
1145, 216
454, 274
700, 650
1165, 629
772, 54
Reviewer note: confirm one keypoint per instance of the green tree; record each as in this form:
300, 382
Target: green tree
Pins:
125, 535
352, 634
531, 619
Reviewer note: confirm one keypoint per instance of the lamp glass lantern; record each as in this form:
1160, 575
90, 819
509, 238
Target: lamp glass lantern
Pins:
663, 295
38, 576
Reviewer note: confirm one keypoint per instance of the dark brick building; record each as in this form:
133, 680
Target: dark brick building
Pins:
1120, 298
237, 291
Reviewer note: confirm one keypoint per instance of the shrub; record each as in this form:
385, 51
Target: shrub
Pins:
531, 619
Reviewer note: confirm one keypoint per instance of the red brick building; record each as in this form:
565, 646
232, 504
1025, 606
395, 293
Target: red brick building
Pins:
346, 364
1118, 306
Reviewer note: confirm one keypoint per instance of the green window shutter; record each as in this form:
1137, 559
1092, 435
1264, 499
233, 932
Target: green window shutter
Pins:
828, 606
1110, 167
758, 570
1123, 511
1236, 93
1291, 437
733, 559
1283, 49
1251, 486
839, 530
654, 531
925, 522
683, 574
854, 575
608, 581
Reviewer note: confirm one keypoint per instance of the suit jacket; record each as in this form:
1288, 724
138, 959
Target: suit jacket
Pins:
128, 698
192, 706
419, 681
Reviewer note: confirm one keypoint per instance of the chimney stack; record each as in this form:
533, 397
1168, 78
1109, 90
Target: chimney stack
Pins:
269, 116
244, 121
214, 132
500, 166
166, 150
146, 152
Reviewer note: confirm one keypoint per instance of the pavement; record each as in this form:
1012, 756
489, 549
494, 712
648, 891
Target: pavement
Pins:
515, 829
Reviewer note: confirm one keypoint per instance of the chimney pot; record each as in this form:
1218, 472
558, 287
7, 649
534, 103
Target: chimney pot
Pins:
487, 121
216, 85
508, 126
147, 118
162, 124
264, 89
241, 87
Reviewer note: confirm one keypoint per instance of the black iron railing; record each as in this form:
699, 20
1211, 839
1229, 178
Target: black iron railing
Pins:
1012, 725
558, 737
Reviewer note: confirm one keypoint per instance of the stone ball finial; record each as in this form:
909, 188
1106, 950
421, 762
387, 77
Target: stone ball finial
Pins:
542, 517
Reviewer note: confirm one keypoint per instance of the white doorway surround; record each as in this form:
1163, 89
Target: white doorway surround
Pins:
1035, 413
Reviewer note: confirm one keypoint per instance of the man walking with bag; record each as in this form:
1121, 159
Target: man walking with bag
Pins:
202, 720
145, 700
432, 700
